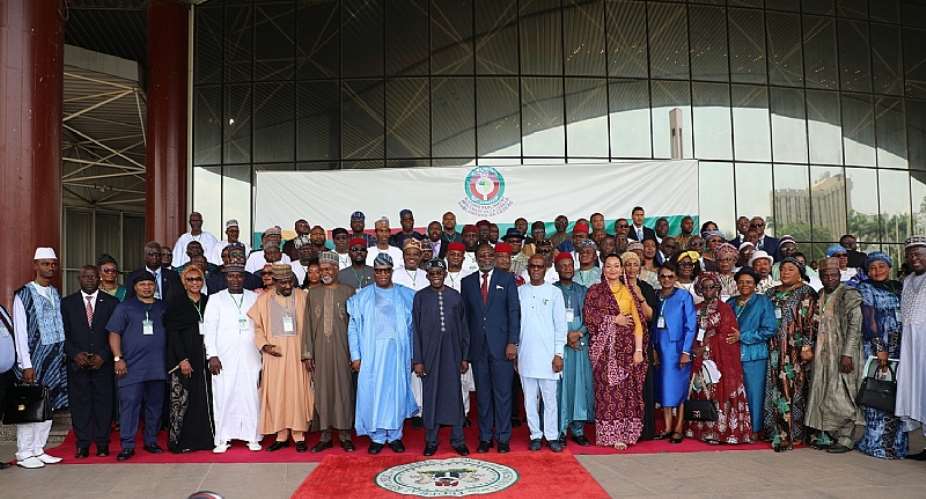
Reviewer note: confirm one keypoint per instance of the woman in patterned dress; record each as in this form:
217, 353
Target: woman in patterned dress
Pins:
790, 355
720, 345
614, 316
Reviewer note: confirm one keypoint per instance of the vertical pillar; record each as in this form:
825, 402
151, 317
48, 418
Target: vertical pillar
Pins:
31, 77
166, 152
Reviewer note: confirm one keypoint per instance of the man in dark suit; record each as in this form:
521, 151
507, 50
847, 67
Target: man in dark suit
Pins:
766, 243
90, 362
639, 232
494, 315
167, 281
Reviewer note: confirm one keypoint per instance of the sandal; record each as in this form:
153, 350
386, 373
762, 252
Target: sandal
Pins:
662, 436
711, 441
676, 438
620, 446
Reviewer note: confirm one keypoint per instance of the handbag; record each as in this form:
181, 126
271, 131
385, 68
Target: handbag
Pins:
700, 410
877, 393
26, 403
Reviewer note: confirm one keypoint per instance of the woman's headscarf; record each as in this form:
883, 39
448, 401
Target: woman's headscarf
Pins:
878, 256
705, 276
693, 255
727, 249
797, 263
630, 256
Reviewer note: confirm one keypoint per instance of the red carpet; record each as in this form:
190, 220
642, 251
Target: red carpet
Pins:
540, 473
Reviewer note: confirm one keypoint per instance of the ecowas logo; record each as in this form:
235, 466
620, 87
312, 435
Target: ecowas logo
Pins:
457, 477
485, 192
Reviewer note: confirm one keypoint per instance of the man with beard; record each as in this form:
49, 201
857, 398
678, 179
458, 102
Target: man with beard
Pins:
687, 230
407, 221
291, 248
359, 274
357, 223
437, 242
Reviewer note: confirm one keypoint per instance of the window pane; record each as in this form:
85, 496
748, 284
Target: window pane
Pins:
916, 130
236, 198
451, 36
541, 42
542, 116
885, 10
207, 131
820, 7
587, 117
914, 57
362, 38
715, 195
708, 43
791, 5
858, 129
751, 123
792, 202
498, 115
820, 52
668, 41
362, 119
862, 204
317, 39
918, 188
789, 130
754, 192
207, 194
784, 49
497, 37
828, 202
583, 37
407, 121
853, 8
627, 47
317, 121
894, 191
886, 59
712, 127
453, 117
823, 125
407, 37
892, 140
630, 119
237, 124
273, 41
669, 95
208, 55
274, 128
854, 56
239, 23
747, 46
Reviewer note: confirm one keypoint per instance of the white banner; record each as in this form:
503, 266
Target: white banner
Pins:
499, 194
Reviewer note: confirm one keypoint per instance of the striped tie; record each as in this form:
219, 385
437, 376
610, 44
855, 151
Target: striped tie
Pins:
89, 311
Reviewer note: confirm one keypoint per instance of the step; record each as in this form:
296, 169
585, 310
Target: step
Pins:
61, 425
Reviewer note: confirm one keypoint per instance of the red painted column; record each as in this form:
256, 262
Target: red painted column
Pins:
166, 153
31, 77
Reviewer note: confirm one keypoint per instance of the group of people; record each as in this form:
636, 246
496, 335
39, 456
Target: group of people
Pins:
587, 328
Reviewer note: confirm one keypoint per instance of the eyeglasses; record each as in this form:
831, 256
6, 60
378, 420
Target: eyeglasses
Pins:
535, 266
382, 271
756, 226
108, 271
357, 248
686, 264
194, 279
667, 276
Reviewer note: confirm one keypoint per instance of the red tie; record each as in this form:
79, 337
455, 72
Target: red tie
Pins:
485, 288
89, 312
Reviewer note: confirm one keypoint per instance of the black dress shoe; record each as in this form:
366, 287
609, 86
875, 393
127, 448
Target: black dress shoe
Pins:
375, 448
397, 446
484, 447
534, 445
154, 449
515, 422
503, 447
102, 450
82, 452
555, 446
125, 454
302, 447
322, 445
581, 440
4, 466
347, 445
430, 449
461, 449
277, 445
417, 422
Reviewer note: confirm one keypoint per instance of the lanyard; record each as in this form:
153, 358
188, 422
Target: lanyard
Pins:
199, 309
238, 304
412, 275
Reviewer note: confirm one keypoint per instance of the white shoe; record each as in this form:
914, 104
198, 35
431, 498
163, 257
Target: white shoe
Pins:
45, 458
220, 449
30, 463
255, 446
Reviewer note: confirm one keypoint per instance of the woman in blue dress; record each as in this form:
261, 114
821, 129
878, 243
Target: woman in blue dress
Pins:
673, 338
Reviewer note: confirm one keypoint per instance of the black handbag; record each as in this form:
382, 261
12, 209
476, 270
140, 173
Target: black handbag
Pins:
699, 410
26, 403
878, 393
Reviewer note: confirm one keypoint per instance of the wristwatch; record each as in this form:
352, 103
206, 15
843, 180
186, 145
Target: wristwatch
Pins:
117, 358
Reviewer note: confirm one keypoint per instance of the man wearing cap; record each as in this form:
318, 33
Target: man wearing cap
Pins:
410, 275
841, 255
456, 255
326, 353
503, 261
196, 233
38, 330
407, 221
381, 244
440, 356
291, 247
341, 246
380, 334
588, 273
139, 344
761, 262
286, 394
357, 224
232, 236
234, 255
358, 274
515, 238
234, 362
269, 239
427, 253
167, 281
911, 373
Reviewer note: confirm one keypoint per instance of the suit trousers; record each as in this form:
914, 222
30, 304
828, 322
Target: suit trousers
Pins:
131, 399
456, 435
90, 395
493, 397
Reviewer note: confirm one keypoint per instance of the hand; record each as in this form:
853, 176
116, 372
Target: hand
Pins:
185, 368
464, 366
511, 351
573, 338
655, 358
271, 349
82, 360
309, 364
697, 350
557, 363
121, 369
845, 365
684, 359
806, 354
96, 362
29, 375
215, 366
419, 369
355, 365
623, 320
733, 337
883, 360
637, 357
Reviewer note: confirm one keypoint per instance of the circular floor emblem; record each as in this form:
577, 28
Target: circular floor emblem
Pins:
447, 477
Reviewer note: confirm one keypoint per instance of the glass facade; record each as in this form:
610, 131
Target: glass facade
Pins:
811, 113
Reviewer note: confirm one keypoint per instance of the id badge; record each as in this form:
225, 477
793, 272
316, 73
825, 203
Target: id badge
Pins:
700, 334
147, 327
778, 313
661, 322
570, 315
242, 323
202, 329
724, 298
289, 327
898, 316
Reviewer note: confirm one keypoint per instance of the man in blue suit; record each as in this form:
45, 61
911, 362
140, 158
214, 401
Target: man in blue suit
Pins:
766, 243
494, 314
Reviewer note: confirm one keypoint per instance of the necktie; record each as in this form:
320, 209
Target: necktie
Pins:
485, 287
639, 234
89, 311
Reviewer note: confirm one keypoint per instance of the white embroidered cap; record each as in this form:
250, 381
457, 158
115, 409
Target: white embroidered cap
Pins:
42, 253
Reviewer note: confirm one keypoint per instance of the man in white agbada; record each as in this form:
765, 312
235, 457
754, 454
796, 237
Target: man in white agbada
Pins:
234, 362
232, 234
196, 233
911, 373
540, 354
415, 279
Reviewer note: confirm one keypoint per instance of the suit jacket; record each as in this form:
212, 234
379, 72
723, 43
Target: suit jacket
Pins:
647, 233
494, 325
82, 337
770, 246
170, 284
